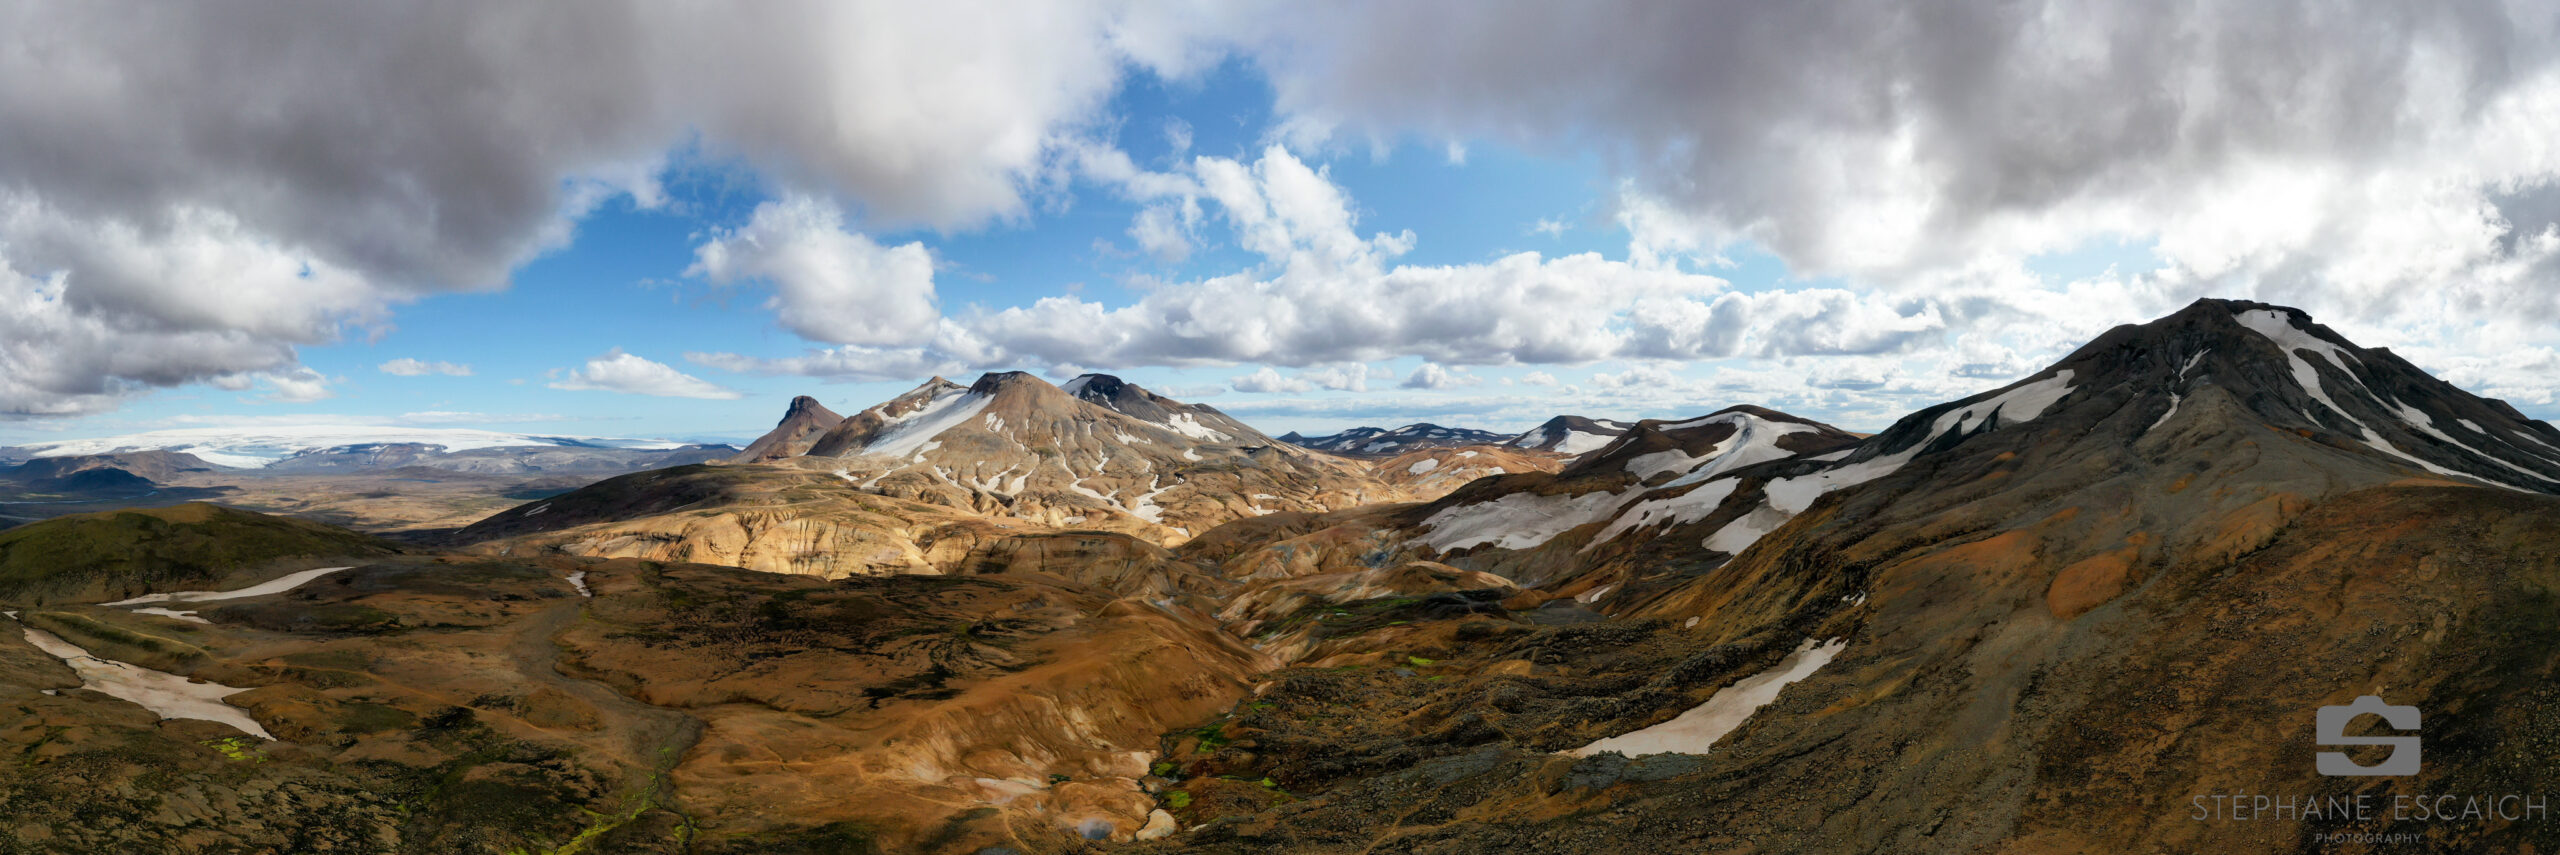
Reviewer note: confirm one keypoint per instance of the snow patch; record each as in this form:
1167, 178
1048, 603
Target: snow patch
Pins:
1421, 466
1682, 509
1517, 520
1578, 442
1792, 495
2383, 445
188, 616
1746, 530
1696, 731
1190, 426
578, 580
2278, 328
2020, 404
275, 586
165, 694
913, 433
1645, 466
2419, 419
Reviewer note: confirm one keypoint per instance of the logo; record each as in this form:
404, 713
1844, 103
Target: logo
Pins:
2333, 731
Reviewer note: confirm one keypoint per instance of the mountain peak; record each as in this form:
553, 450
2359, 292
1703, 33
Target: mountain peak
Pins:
1570, 435
997, 381
800, 428
2279, 369
1384, 442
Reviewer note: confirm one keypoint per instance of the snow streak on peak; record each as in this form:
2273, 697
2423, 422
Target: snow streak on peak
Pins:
908, 433
2279, 328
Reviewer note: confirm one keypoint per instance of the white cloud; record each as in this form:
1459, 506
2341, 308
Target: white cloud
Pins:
830, 284
617, 371
407, 367
1548, 227
2391, 170
1538, 378
1432, 375
297, 386
1264, 379
1328, 295
210, 189
1344, 377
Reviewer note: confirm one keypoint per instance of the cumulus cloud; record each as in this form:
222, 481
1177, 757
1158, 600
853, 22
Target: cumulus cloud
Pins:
1264, 379
830, 284
617, 371
1346, 377
2389, 169
1328, 294
161, 164
407, 367
1432, 375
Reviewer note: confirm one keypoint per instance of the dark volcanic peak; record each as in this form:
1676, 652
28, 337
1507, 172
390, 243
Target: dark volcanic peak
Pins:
1126, 398
1570, 435
800, 428
2221, 360
1386, 442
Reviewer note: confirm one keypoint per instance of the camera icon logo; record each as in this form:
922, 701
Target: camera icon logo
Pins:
2333, 721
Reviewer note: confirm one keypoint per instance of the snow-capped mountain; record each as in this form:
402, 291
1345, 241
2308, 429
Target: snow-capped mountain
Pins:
2227, 389
1096, 452
260, 447
1388, 442
1569, 435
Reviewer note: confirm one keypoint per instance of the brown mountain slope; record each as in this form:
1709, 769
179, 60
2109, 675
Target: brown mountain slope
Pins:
2047, 618
802, 426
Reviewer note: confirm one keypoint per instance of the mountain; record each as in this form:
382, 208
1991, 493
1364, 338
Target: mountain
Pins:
801, 427
1569, 435
152, 465
1095, 453
2041, 618
1384, 442
2048, 617
360, 446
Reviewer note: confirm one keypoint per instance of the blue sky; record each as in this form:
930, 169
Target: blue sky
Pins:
1313, 221
622, 283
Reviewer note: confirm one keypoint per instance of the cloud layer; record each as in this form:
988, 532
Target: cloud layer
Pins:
191, 194
617, 371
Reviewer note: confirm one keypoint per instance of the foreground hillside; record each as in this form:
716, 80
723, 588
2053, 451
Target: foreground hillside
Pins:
2051, 617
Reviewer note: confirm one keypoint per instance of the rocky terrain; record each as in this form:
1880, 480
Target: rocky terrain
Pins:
2042, 618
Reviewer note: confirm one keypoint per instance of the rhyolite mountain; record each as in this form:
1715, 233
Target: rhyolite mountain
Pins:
2042, 618
1389, 442
921, 482
1569, 434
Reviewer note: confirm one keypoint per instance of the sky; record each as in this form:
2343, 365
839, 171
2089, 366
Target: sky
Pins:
666, 219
